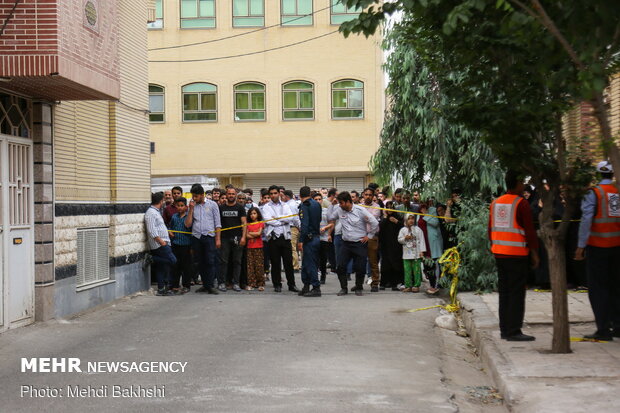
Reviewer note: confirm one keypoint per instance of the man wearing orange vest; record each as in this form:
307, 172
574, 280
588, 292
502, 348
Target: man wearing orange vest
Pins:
599, 238
514, 244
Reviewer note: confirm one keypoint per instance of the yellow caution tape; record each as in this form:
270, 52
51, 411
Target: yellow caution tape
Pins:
239, 226
538, 290
451, 260
589, 340
407, 212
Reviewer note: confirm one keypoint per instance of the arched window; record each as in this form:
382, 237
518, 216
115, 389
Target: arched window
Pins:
200, 102
297, 100
250, 101
156, 104
348, 99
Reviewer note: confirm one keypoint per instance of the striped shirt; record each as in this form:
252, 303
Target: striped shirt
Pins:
155, 227
177, 223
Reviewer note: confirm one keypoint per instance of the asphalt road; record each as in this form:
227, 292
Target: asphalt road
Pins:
245, 352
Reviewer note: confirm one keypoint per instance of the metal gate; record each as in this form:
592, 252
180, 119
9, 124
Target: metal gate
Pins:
16, 232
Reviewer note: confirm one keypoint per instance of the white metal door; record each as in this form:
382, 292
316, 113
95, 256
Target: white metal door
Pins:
18, 236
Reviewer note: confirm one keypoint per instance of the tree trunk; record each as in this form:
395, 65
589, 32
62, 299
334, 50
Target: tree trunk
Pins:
559, 297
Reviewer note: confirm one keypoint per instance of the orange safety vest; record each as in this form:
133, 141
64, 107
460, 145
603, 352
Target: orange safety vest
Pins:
605, 230
507, 236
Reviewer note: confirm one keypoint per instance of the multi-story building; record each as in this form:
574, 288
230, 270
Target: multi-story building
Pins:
74, 155
256, 92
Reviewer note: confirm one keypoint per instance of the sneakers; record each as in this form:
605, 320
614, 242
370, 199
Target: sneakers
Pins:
164, 292
185, 290
236, 288
222, 287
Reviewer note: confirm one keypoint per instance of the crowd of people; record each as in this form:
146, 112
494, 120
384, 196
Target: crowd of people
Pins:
228, 239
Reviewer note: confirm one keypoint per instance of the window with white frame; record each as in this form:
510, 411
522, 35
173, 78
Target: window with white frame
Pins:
199, 102
348, 99
248, 13
296, 12
156, 104
197, 14
298, 100
250, 101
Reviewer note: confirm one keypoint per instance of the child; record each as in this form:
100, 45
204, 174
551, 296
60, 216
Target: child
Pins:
414, 248
326, 235
181, 244
256, 270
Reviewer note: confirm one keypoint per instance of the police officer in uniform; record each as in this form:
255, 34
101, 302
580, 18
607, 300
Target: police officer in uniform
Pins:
515, 245
599, 243
309, 242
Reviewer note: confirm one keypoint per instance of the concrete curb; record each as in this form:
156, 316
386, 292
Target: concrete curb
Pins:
480, 324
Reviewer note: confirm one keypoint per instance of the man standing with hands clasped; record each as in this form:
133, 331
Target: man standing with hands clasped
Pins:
309, 242
204, 219
358, 226
515, 245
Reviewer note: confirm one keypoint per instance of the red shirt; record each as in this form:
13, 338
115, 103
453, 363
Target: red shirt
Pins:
255, 242
524, 218
169, 211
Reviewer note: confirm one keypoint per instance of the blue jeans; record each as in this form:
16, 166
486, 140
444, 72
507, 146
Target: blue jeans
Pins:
337, 246
163, 260
207, 259
310, 262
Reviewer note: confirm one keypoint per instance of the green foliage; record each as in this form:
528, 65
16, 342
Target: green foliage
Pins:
477, 271
420, 145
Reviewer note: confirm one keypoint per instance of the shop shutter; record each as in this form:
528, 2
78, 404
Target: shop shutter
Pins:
350, 184
318, 183
292, 183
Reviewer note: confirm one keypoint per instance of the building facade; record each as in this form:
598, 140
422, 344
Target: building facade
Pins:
256, 92
74, 156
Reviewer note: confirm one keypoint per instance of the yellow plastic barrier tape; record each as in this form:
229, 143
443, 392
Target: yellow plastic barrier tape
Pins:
407, 212
239, 226
588, 340
451, 260
538, 290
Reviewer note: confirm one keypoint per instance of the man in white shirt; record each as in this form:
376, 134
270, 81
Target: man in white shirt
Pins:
278, 234
358, 226
289, 199
159, 243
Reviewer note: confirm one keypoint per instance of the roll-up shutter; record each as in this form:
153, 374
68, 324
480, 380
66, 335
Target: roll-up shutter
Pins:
350, 184
293, 183
318, 183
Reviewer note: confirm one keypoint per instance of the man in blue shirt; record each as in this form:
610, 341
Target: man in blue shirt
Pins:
309, 242
181, 245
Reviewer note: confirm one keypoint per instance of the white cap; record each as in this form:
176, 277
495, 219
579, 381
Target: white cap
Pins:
605, 167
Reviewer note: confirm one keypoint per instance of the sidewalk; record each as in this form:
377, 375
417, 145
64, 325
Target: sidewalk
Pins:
529, 377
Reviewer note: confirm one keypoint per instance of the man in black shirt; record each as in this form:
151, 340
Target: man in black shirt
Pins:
233, 240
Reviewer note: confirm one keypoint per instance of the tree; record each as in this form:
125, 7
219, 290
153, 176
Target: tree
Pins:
418, 143
507, 79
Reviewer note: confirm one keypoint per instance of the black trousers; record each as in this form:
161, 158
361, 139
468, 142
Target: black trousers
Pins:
512, 277
184, 266
359, 253
324, 256
280, 251
603, 265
